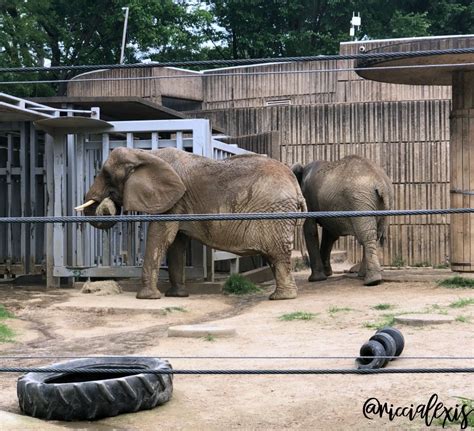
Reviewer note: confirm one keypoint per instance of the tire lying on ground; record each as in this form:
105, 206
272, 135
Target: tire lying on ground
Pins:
93, 395
397, 336
388, 343
371, 352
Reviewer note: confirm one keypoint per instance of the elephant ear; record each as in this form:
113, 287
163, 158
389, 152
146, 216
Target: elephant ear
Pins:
153, 187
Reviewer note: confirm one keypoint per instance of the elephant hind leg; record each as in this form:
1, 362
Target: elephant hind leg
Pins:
311, 237
327, 242
366, 233
176, 266
285, 283
373, 271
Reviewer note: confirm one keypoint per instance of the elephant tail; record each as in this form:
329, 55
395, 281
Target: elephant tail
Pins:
301, 206
298, 171
385, 202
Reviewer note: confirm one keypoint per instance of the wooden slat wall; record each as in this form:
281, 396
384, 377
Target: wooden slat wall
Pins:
410, 140
263, 143
403, 128
162, 84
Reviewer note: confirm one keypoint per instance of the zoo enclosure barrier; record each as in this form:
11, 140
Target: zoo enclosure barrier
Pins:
48, 174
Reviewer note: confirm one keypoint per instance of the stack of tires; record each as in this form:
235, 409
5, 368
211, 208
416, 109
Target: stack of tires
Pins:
387, 344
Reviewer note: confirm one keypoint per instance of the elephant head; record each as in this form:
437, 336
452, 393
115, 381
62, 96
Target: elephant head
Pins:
133, 179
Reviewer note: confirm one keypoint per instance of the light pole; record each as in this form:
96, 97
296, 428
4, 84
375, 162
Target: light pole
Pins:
124, 36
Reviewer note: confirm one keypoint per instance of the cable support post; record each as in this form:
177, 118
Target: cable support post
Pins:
365, 56
232, 216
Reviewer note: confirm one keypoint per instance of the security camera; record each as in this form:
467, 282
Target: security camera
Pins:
362, 48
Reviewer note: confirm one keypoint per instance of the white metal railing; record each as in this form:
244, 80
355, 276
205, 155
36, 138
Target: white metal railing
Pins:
43, 111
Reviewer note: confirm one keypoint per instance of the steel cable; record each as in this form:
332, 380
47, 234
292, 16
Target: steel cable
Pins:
365, 56
21, 357
315, 371
231, 216
246, 73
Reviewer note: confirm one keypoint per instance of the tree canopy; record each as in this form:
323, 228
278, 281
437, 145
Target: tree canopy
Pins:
73, 32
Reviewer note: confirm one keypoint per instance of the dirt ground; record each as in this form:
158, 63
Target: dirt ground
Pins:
65, 322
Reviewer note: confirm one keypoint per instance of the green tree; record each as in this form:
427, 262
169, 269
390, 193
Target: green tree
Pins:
74, 32
82, 32
261, 28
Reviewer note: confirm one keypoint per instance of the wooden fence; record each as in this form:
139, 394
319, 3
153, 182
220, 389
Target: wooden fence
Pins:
409, 140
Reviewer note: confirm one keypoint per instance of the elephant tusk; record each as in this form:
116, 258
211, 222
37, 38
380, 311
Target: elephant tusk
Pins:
83, 206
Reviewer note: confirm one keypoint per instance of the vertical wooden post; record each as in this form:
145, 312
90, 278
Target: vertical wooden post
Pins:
9, 181
79, 162
462, 174
51, 281
59, 198
105, 233
70, 198
24, 183
33, 200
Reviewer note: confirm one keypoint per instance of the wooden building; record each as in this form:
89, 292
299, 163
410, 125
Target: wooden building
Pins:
304, 111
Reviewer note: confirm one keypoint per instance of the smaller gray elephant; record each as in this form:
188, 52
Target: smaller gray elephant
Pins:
350, 184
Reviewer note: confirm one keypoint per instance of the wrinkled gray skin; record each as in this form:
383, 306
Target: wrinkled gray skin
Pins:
176, 182
350, 184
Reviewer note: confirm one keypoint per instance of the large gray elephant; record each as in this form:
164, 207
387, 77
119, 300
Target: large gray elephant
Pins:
176, 182
350, 184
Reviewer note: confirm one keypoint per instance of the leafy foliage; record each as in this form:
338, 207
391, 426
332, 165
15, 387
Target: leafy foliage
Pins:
237, 284
74, 32
462, 302
457, 282
383, 306
386, 320
6, 334
298, 315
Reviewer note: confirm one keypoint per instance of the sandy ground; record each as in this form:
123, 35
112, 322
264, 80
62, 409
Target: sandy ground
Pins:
65, 322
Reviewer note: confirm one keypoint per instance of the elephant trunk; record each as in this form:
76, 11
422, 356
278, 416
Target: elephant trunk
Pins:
105, 208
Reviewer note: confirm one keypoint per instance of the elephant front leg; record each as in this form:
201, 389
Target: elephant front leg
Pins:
311, 237
159, 237
176, 266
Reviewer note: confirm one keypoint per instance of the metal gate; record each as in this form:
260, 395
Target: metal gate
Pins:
82, 251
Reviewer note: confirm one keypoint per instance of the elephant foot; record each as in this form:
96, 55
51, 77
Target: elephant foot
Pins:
355, 268
373, 280
284, 294
327, 271
317, 276
177, 292
146, 293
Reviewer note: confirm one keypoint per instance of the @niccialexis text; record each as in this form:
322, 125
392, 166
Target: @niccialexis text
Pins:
433, 409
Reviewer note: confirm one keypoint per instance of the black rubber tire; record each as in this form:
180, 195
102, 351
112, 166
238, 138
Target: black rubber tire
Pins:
89, 396
397, 336
371, 348
387, 342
